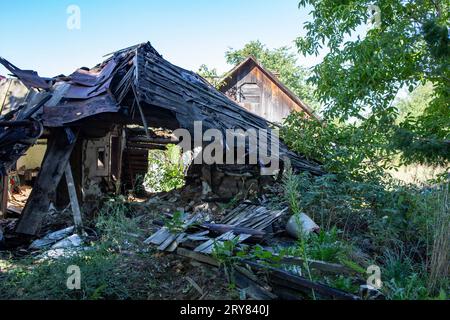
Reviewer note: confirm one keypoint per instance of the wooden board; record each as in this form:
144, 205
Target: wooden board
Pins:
3, 196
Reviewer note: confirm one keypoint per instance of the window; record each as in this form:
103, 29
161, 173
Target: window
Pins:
250, 93
101, 158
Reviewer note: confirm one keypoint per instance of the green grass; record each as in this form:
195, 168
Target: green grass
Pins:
104, 275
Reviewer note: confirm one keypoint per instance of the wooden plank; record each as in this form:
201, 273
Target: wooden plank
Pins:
76, 212
224, 228
272, 219
233, 213
167, 242
289, 280
318, 265
240, 238
3, 196
53, 167
174, 245
210, 243
197, 256
158, 237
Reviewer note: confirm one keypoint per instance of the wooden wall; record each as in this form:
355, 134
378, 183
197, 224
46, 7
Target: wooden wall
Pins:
273, 105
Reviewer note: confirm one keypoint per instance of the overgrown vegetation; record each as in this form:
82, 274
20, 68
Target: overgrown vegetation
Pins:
106, 273
166, 170
116, 264
368, 216
365, 131
363, 72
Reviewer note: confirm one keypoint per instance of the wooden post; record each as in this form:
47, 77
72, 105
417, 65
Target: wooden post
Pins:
3, 196
74, 201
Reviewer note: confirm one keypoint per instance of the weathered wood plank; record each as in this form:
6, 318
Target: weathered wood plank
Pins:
197, 256
76, 212
54, 164
3, 196
158, 237
287, 279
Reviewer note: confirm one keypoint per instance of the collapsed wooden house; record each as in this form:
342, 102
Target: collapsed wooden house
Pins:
99, 124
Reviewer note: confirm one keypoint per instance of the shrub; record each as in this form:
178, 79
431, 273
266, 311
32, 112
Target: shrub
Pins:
166, 170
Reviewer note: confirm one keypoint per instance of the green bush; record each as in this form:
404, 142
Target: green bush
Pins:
166, 170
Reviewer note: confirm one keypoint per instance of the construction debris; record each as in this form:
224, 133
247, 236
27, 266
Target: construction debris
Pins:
74, 241
51, 238
249, 223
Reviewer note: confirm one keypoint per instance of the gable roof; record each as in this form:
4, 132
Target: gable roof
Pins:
252, 60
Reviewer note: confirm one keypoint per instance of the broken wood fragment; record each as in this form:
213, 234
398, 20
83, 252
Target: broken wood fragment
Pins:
197, 256
224, 228
302, 284
76, 212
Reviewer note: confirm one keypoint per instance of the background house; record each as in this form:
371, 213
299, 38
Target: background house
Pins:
261, 92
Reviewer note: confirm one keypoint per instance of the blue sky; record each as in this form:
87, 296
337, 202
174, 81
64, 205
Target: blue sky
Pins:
34, 34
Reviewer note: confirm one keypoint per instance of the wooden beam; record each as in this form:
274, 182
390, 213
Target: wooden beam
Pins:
322, 266
197, 256
284, 278
53, 166
3, 196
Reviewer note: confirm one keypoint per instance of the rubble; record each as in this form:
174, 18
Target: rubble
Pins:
245, 225
51, 238
73, 241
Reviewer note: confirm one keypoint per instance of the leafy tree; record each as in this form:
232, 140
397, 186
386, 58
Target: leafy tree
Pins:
362, 75
211, 75
415, 104
354, 151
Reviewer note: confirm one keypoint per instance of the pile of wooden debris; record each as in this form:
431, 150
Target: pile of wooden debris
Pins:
201, 235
